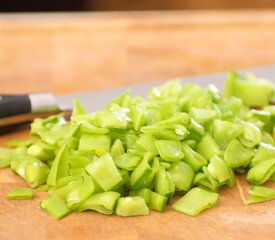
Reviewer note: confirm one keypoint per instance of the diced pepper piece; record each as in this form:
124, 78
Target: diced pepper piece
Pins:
138, 116
202, 116
117, 149
147, 142
114, 117
168, 132
101, 202
130, 140
43, 188
20, 194
62, 191
260, 194
18, 143
88, 128
220, 171
154, 200
127, 161
262, 90
265, 152
104, 172
251, 135
42, 151
157, 201
55, 207
192, 158
36, 173
78, 160
131, 206
206, 181
237, 155
147, 183
164, 184
98, 143
5, 157
171, 88
225, 131
267, 138
80, 193
196, 130
261, 172
182, 175
78, 109
60, 166
169, 150
231, 108
180, 118
140, 175
195, 201
207, 147
145, 193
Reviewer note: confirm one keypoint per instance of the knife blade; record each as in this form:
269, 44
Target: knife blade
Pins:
46, 104
95, 100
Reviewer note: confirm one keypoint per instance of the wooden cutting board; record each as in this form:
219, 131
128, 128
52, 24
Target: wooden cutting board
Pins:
231, 219
71, 53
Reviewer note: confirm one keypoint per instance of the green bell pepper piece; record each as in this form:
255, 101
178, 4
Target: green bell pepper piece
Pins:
78, 109
127, 161
147, 143
20, 194
164, 183
169, 150
143, 170
131, 206
251, 135
261, 172
154, 200
5, 157
225, 131
104, 172
60, 166
237, 155
260, 194
98, 143
203, 116
42, 151
101, 202
55, 207
265, 152
117, 149
182, 175
36, 173
220, 171
253, 91
207, 147
195, 201
192, 158
80, 193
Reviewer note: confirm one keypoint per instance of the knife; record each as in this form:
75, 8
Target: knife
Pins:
17, 109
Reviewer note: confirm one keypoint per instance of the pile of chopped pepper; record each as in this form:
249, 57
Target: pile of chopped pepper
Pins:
136, 153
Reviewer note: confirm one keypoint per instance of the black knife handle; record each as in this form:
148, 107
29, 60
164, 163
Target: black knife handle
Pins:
14, 104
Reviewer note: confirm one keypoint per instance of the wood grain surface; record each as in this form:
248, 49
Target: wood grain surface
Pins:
65, 53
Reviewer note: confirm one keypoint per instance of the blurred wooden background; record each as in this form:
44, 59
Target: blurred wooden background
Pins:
67, 53
120, 5
177, 4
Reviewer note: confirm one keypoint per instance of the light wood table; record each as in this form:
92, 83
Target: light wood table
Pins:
65, 53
